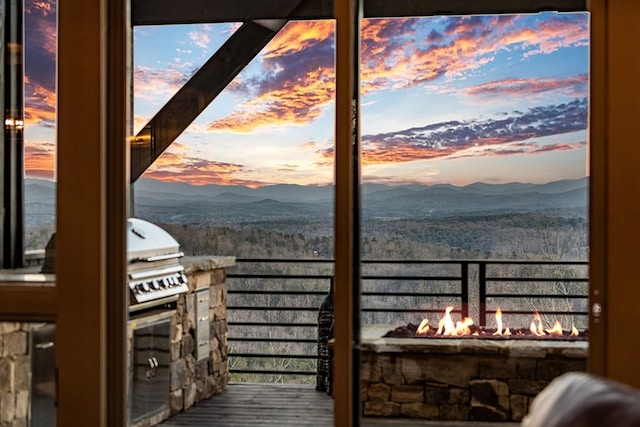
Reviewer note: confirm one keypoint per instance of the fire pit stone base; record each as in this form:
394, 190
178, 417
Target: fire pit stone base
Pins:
459, 379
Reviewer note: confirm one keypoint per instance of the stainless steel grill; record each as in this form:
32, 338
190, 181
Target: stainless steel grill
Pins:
156, 276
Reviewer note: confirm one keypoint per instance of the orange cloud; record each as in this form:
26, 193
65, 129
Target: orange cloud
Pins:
176, 165
40, 104
299, 36
39, 159
296, 103
466, 44
298, 82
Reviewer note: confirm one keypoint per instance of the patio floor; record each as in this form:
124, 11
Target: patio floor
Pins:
284, 405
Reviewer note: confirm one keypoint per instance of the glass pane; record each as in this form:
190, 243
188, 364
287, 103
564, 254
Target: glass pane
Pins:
475, 185
39, 128
255, 166
251, 177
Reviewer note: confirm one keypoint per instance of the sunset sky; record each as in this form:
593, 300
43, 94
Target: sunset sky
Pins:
444, 99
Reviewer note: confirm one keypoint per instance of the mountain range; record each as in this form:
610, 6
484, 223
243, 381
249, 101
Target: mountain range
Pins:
180, 202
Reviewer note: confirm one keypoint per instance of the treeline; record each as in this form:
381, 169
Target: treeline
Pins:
509, 236
506, 236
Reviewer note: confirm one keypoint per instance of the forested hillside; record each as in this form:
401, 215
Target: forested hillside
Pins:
522, 236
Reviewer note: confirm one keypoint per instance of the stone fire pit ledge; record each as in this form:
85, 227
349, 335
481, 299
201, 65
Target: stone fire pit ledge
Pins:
372, 341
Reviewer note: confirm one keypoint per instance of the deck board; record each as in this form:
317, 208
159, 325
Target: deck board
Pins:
250, 405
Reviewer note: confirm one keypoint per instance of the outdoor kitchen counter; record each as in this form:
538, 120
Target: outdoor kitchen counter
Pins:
193, 264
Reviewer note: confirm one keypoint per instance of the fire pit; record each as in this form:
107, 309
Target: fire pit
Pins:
478, 374
466, 328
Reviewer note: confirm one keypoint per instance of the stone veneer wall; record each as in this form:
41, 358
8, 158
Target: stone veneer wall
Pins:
14, 374
191, 380
495, 382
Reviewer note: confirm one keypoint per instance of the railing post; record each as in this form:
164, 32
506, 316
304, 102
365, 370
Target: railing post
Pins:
464, 291
482, 292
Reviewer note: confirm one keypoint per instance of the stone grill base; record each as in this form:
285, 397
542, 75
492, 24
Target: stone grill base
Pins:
459, 378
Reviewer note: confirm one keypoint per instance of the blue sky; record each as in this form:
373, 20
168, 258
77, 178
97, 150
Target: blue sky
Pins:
444, 99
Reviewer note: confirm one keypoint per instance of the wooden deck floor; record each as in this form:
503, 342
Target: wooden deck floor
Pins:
250, 405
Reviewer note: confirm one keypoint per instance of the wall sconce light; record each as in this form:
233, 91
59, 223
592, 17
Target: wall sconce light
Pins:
11, 124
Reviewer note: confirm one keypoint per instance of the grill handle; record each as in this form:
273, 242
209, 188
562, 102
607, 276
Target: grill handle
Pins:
161, 257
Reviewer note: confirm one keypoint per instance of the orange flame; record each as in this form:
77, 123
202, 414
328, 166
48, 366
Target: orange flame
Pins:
462, 327
498, 322
574, 331
424, 327
446, 327
556, 330
536, 328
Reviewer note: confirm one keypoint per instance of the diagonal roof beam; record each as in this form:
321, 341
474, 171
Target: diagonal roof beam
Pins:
160, 12
205, 85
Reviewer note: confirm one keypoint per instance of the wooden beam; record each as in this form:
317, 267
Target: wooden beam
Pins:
346, 232
29, 300
119, 128
81, 239
163, 12
597, 191
622, 228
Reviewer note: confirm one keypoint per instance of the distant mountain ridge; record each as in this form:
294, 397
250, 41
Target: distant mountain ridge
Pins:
181, 202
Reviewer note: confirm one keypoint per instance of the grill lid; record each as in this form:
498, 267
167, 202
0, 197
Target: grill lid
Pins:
146, 242
155, 273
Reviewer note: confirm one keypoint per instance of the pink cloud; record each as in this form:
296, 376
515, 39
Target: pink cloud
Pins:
575, 86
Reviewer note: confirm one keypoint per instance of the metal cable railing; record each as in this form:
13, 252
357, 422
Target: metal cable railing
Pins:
273, 303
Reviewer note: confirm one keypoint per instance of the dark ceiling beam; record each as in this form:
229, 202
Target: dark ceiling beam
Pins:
161, 12
404, 8
199, 91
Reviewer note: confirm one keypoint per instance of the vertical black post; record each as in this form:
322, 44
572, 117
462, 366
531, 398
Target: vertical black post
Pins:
464, 291
482, 279
13, 142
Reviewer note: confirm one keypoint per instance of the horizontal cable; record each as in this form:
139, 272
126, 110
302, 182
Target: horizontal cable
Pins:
273, 356
554, 296
298, 340
255, 371
535, 279
267, 292
281, 325
267, 308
